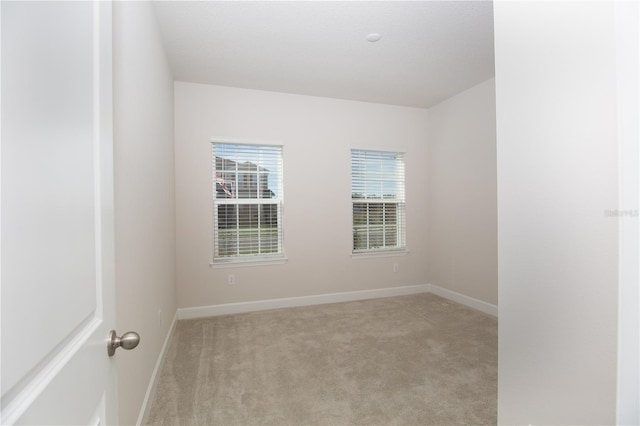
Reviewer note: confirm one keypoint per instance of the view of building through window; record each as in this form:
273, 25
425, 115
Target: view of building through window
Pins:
247, 201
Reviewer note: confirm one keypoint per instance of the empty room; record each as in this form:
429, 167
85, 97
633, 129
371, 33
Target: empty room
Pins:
320, 212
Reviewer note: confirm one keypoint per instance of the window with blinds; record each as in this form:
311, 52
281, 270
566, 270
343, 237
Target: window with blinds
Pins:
378, 198
247, 202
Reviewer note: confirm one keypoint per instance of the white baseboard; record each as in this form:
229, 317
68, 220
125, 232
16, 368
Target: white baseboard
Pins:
289, 302
143, 416
471, 302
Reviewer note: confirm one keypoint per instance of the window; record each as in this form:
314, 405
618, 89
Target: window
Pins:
377, 195
247, 202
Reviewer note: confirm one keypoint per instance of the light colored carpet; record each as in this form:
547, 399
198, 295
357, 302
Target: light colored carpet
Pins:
409, 360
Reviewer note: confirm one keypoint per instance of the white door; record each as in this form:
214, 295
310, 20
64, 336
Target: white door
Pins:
57, 213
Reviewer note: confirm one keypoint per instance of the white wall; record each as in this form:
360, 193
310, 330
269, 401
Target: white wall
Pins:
462, 194
317, 135
557, 175
144, 197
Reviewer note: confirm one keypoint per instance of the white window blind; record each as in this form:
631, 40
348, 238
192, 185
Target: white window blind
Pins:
378, 198
247, 202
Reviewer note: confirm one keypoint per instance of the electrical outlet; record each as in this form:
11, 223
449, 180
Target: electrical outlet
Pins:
231, 279
395, 267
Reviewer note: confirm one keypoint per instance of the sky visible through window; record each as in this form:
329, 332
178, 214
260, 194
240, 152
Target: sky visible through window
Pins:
267, 158
375, 175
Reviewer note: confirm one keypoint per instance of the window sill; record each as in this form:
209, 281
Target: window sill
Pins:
381, 253
241, 263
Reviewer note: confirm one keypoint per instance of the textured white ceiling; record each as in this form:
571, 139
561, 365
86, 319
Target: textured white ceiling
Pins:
429, 51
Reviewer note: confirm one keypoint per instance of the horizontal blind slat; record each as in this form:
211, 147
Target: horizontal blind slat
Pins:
378, 195
247, 200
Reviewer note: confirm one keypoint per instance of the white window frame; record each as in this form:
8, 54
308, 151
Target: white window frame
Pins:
253, 258
371, 177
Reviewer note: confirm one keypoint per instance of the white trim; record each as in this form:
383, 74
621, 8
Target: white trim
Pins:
145, 409
97, 158
471, 302
379, 253
244, 262
289, 302
246, 141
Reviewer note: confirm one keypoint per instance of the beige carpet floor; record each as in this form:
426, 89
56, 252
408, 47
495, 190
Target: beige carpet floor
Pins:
409, 360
